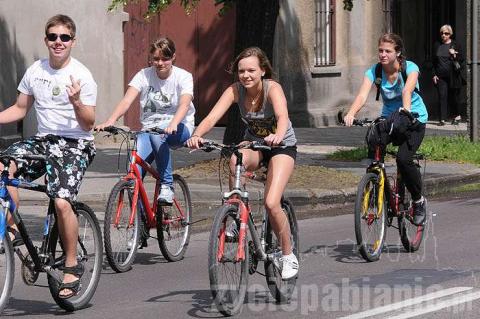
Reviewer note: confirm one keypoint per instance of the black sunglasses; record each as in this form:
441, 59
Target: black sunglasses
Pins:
63, 37
444, 33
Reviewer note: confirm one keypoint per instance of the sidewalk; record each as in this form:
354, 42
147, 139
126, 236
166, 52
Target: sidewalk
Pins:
313, 145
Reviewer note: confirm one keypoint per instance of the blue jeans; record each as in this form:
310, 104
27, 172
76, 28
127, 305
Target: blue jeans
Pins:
157, 147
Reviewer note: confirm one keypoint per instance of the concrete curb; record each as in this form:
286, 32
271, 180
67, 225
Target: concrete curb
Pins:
209, 195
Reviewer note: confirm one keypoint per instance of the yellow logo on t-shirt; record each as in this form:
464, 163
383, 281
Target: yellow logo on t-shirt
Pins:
262, 127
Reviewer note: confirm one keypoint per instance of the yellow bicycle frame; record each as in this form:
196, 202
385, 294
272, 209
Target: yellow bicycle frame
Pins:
381, 188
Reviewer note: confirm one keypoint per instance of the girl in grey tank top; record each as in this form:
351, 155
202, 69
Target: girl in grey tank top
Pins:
263, 108
262, 123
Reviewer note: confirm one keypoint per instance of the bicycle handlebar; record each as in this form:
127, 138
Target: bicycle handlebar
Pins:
412, 116
118, 130
6, 158
209, 145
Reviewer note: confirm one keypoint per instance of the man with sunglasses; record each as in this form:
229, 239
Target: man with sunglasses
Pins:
63, 93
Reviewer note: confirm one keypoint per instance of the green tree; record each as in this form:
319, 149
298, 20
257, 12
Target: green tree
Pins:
157, 6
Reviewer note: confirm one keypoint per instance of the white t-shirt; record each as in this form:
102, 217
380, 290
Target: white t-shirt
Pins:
55, 113
159, 98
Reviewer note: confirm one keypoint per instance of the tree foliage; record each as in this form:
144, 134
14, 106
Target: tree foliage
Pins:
348, 5
157, 6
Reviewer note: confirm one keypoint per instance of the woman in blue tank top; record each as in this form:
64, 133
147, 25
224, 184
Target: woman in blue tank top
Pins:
263, 108
398, 93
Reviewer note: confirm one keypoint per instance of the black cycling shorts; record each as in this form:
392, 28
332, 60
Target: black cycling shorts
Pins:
268, 154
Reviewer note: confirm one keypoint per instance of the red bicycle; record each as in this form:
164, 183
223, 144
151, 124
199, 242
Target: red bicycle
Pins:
232, 257
129, 216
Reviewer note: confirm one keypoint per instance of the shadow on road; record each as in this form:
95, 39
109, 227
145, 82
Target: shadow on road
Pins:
28, 308
202, 303
344, 253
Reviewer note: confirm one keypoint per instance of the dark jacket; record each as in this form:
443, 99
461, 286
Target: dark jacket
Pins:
456, 77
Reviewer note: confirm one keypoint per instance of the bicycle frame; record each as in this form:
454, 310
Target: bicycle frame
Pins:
10, 207
394, 198
239, 197
139, 190
141, 194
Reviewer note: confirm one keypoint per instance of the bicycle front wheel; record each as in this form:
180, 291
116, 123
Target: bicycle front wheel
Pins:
228, 277
281, 290
89, 252
411, 235
370, 219
121, 238
173, 222
7, 270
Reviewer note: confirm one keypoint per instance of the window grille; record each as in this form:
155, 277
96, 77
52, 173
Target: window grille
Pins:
324, 32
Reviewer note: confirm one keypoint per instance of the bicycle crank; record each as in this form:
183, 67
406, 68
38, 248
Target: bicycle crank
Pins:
29, 274
191, 223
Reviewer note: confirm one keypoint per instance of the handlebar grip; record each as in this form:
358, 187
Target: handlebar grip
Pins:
412, 116
111, 129
357, 122
158, 130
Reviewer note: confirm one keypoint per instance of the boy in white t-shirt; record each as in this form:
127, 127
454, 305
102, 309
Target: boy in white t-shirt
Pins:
166, 94
63, 93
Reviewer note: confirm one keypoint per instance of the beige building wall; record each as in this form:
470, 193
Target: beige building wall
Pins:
99, 46
316, 94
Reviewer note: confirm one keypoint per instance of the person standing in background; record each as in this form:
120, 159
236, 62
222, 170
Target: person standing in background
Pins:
448, 60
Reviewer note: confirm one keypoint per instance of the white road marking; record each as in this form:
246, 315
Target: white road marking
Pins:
407, 303
439, 305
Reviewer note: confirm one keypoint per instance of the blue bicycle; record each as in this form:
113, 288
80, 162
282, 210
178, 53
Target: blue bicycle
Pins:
49, 256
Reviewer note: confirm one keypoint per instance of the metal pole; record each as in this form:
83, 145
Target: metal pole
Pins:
475, 62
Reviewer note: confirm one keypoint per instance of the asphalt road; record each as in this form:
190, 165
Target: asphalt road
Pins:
441, 280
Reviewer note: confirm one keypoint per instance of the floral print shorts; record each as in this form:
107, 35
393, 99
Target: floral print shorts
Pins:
67, 161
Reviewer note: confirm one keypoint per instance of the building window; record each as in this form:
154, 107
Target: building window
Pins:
324, 32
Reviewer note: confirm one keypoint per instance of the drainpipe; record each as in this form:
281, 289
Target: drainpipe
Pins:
475, 63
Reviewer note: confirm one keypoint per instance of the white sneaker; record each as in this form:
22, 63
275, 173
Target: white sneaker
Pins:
232, 231
289, 266
276, 259
166, 195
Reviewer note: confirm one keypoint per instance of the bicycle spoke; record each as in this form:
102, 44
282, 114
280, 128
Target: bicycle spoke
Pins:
173, 222
121, 237
369, 218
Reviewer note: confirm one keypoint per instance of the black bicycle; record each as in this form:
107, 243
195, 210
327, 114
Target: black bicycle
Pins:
49, 256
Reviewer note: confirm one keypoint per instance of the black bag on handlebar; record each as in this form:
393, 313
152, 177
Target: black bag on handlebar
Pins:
377, 133
401, 126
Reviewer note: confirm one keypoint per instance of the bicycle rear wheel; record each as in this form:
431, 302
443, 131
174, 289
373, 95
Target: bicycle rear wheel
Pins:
173, 222
411, 235
370, 219
7, 270
121, 238
228, 277
89, 252
281, 290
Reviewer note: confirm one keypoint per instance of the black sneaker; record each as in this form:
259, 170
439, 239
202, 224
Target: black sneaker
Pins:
420, 212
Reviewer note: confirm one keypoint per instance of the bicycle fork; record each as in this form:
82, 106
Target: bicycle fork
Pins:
246, 222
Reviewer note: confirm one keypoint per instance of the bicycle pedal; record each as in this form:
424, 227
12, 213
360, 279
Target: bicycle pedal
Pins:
143, 244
